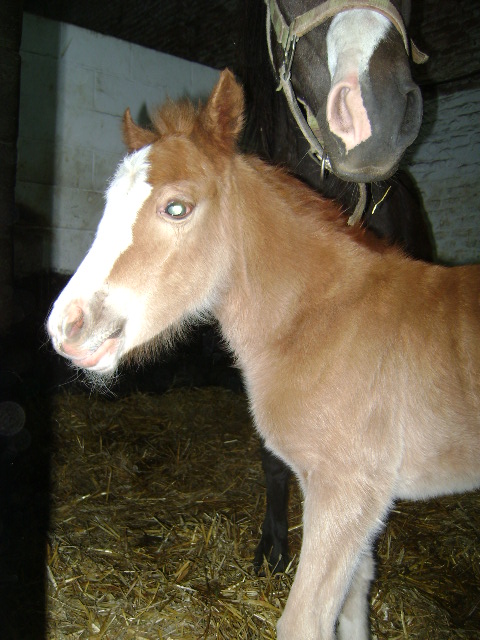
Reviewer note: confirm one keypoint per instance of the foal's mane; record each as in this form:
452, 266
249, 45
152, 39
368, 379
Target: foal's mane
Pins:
321, 212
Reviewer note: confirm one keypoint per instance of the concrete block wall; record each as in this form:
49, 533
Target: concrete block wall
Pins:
75, 86
445, 162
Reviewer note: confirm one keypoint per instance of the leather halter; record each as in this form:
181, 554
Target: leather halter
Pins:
288, 36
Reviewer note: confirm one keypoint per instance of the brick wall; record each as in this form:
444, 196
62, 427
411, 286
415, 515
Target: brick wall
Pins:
75, 85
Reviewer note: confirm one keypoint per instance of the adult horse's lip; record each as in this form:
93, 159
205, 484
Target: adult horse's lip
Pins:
362, 173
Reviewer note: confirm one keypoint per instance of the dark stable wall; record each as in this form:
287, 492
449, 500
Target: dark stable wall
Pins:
10, 35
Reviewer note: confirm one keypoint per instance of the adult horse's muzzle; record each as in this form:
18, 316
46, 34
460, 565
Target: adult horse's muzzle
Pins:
394, 117
359, 150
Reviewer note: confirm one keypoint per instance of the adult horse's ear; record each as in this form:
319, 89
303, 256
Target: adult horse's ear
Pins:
223, 113
135, 137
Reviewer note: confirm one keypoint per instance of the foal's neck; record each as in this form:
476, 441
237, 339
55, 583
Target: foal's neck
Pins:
290, 252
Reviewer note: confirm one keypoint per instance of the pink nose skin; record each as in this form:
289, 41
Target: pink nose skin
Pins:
73, 322
346, 113
72, 343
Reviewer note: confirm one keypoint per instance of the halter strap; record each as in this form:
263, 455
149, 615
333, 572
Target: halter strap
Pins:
309, 20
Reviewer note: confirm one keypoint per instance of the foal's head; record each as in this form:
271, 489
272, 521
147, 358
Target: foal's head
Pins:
158, 257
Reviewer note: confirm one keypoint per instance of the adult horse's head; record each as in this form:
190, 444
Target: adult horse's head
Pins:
158, 255
350, 66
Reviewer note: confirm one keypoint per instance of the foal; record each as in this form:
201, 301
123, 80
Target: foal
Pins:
361, 365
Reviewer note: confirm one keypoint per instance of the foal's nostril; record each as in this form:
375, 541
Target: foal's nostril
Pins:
73, 322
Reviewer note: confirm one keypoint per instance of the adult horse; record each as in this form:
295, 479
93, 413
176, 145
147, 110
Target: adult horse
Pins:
346, 102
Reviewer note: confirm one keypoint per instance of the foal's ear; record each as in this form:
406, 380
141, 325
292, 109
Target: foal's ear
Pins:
135, 137
223, 113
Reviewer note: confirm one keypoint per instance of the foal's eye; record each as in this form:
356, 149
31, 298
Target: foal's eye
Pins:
177, 209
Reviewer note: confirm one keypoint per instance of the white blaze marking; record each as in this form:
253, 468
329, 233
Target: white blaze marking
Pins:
125, 196
355, 32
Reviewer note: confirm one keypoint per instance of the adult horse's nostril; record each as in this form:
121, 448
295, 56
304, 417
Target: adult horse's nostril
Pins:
412, 118
73, 322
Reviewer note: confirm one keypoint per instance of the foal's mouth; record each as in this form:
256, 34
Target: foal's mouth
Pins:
100, 355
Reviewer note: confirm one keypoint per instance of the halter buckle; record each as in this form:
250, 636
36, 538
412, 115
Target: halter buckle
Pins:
286, 68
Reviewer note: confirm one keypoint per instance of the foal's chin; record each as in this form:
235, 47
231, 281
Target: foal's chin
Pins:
99, 363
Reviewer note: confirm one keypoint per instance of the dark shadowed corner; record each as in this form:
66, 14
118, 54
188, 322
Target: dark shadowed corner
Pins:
24, 403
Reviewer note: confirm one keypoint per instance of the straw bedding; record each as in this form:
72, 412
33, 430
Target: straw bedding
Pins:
157, 504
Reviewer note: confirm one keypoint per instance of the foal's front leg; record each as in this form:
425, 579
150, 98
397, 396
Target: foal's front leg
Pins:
341, 517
